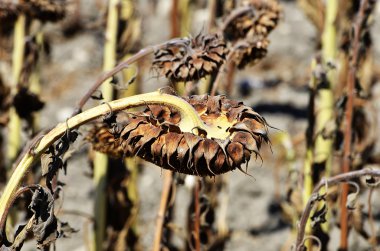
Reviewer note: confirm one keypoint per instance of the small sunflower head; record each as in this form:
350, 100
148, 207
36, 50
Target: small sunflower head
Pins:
156, 136
8, 12
44, 10
260, 19
250, 51
193, 59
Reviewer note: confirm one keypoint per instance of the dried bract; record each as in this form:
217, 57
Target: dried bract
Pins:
156, 136
191, 60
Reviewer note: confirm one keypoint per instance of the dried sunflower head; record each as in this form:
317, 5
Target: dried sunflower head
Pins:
44, 10
191, 60
260, 19
8, 12
156, 136
250, 51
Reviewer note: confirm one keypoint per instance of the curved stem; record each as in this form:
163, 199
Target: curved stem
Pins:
189, 121
327, 182
140, 54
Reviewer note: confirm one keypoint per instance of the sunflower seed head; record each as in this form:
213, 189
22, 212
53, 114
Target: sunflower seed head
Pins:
156, 136
261, 20
8, 12
250, 51
44, 10
191, 60
104, 141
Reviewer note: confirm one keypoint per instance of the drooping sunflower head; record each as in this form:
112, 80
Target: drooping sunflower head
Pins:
232, 133
192, 59
254, 17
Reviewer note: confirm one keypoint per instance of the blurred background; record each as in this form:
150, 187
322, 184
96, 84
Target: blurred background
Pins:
70, 58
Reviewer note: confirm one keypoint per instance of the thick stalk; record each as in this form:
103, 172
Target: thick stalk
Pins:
197, 215
185, 17
14, 126
307, 170
101, 159
168, 178
325, 103
132, 89
189, 120
323, 152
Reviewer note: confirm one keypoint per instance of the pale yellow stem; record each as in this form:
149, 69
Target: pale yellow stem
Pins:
325, 106
14, 125
100, 159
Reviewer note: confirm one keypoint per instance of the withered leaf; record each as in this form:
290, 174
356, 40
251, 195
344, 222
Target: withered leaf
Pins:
319, 216
22, 233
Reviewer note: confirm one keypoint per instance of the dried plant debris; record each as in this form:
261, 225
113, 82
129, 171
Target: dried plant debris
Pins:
26, 102
155, 135
43, 224
192, 59
261, 19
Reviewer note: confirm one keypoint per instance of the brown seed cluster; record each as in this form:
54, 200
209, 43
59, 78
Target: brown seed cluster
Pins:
44, 10
155, 135
8, 12
191, 60
248, 28
250, 52
260, 19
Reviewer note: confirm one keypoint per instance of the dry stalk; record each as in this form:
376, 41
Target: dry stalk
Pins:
14, 125
101, 160
348, 120
168, 177
197, 215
